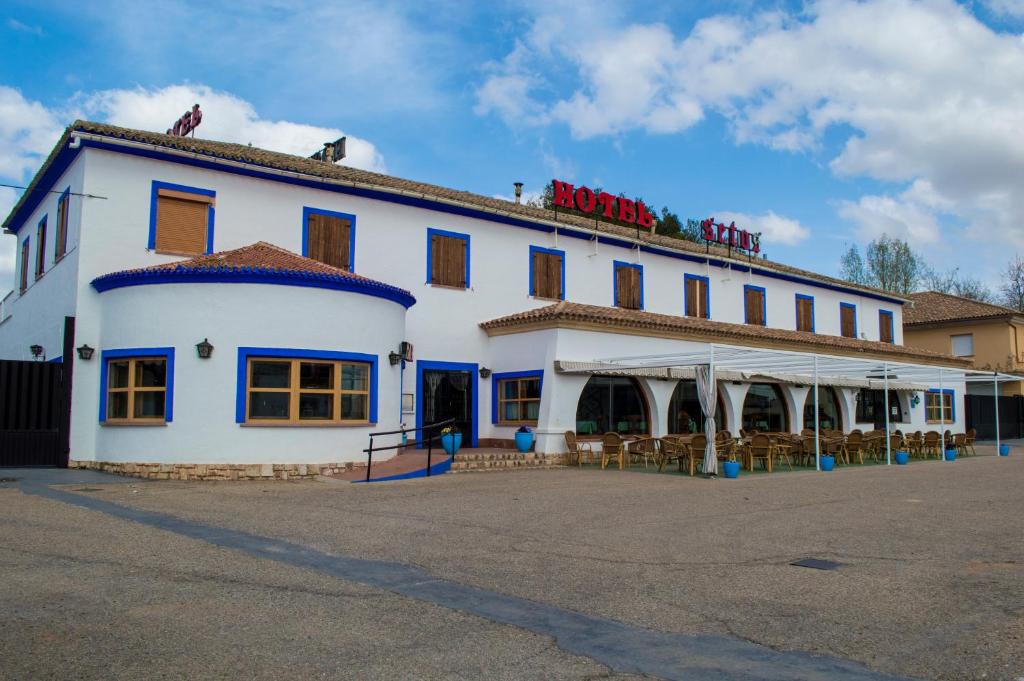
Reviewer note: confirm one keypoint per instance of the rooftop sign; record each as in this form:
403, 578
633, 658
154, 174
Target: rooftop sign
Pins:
604, 204
188, 122
727, 235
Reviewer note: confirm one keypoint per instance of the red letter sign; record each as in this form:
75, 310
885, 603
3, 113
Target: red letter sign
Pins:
585, 200
563, 194
627, 210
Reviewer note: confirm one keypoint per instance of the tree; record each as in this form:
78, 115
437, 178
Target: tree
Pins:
1012, 289
851, 267
952, 283
893, 265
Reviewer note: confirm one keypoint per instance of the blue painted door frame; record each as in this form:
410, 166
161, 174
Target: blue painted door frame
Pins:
425, 365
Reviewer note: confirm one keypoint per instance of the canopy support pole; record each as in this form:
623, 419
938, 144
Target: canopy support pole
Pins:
995, 392
888, 439
817, 421
942, 416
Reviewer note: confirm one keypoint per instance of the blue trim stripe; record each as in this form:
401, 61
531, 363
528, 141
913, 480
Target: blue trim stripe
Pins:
130, 353
184, 274
244, 353
308, 210
549, 251
436, 469
796, 304
210, 215
431, 232
707, 294
850, 306
616, 264
764, 302
424, 365
495, 378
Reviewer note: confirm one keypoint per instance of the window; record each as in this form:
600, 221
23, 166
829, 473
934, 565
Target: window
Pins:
517, 397
938, 406
698, 300
848, 320
871, 407
804, 313
329, 237
754, 305
447, 258
629, 285
61, 238
963, 345
885, 331
137, 386
547, 273
308, 391
684, 411
23, 277
829, 417
181, 219
41, 247
611, 404
764, 409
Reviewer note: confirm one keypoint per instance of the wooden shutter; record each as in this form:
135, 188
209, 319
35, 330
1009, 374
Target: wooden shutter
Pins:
40, 249
182, 222
754, 302
328, 240
547, 275
885, 327
627, 287
447, 261
23, 283
804, 314
692, 291
847, 322
62, 227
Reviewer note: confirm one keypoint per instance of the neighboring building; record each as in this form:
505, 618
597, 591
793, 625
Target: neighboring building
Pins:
311, 279
990, 336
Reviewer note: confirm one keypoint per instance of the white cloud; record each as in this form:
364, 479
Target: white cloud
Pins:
226, 118
28, 131
8, 243
16, 25
775, 229
1012, 8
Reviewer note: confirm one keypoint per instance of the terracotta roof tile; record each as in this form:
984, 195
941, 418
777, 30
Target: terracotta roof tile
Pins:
298, 164
565, 313
931, 307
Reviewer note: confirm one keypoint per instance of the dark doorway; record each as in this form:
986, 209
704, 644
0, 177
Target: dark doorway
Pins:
449, 394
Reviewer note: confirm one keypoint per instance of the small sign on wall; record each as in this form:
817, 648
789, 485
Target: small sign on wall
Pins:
408, 403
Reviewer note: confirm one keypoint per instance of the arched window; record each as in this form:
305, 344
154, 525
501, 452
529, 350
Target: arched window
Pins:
829, 414
612, 404
764, 409
684, 412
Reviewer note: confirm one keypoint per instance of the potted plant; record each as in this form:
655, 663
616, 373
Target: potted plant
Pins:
1004, 450
828, 462
451, 440
524, 439
731, 468
950, 454
902, 457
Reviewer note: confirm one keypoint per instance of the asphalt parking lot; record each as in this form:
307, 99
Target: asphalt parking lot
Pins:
561, 574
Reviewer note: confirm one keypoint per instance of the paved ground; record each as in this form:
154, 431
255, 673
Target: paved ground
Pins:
142, 584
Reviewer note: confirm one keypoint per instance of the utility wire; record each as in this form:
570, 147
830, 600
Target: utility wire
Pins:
54, 191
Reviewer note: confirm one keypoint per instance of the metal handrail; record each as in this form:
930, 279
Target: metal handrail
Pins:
429, 428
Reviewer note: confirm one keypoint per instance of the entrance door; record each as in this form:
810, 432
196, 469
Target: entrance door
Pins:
449, 394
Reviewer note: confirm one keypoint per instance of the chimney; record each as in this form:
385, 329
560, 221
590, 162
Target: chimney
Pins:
519, 191
328, 153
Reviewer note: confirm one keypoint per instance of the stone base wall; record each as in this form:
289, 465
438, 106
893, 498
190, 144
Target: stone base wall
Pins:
218, 471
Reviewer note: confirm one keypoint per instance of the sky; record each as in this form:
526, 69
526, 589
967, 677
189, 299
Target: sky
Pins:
821, 124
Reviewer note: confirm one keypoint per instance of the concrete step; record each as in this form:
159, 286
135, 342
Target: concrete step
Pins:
479, 460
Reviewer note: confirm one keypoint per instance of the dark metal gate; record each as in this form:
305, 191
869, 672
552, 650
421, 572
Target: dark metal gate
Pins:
981, 415
35, 408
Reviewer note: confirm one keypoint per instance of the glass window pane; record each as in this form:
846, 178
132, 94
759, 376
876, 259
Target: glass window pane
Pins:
149, 404
316, 406
355, 377
530, 388
532, 409
271, 374
354, 408
268, 405
509, 389
150, 373
117, 406
510, 411
117, 375
318, 376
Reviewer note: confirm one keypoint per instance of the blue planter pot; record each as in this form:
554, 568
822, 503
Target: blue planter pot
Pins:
902, 458
524, 441
1004, 450
731, 469
451, 443
828, 462
950, 455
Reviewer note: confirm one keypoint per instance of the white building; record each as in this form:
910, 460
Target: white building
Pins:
501, 303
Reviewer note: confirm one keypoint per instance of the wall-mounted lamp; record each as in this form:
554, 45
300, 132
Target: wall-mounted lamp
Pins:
204, 349
485, 372
36, 350
394, 358
85, 353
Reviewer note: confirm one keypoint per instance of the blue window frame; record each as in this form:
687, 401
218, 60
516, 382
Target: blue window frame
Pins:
496, 395
934, 406
211, 212
885, 327
807, 298
764, 305
245, 353
431, 233
134, 353
23, 262
687, 278
853, 315
308, 210
41, 246
423, 365
60, 237
619, 265
548, 251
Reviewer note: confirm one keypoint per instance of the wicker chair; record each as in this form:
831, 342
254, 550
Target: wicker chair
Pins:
698, 444
931, 445
972, 434
672, 449
960, 444
914, 442
647, 449
853, 447
612, 448
760, 449
577, 451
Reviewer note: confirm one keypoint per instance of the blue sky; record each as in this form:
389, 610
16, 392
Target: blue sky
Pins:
822, 123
